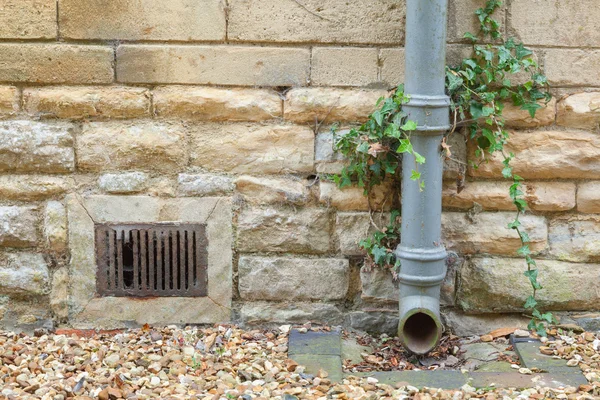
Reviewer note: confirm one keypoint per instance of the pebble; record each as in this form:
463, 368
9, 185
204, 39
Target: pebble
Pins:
521, 333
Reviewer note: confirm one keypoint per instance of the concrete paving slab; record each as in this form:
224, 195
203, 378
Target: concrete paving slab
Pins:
521, 381
352, 350
439, 379
315, 362
324, 343
530, 355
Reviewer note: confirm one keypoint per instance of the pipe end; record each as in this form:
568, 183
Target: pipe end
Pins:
420, 331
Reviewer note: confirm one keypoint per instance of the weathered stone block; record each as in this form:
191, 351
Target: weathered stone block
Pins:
327, 160
55, 226
262, 278
344, 66
489, 233
572, 67
28, 19
581, 110
556, 22
204, 184
214, 104
540, 196
337, 21
31, 187
87, 102
144, 145
247, 148
353, 198
588, 197
214, 65
29, 146
352, 227
374, 321
302, 231
546, 155
143, 20
310, 105
498, 285
476, 325
521, 119
59, 295
56, 63
575, 238
18, 226
273, 190
127, 182
454, 166
392, 66
260, 313
9, 100
23, 274
462, 18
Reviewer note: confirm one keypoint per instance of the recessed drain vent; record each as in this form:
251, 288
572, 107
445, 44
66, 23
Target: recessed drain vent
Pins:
145, 260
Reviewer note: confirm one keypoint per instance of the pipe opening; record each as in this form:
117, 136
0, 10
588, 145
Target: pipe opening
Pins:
420, 333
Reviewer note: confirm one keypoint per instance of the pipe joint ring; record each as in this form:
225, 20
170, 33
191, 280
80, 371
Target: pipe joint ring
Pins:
437, 254
421, 281
424, 101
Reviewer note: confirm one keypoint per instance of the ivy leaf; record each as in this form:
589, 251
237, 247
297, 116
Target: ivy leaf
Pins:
531, 107
378, 116
419, 158
470, 36
507, 172
530, 303
515, 224
409, 126
379, 253
522, 52
415, 175
405, 146
525, 251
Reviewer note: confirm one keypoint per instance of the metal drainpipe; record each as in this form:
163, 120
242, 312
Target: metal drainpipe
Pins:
421, 252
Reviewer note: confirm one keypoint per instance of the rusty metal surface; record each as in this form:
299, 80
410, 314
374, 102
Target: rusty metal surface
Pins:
151, 260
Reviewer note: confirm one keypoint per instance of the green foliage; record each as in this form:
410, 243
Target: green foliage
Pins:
479, 88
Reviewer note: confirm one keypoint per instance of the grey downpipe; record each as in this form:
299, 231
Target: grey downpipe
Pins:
421, 252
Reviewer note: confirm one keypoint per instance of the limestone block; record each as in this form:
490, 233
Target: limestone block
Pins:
575, 238
29, 146
216, 104
28, 19
262, 312
568, 154
87, 102
344, 66
477, 325
374, 321
31, 187
336, 21
307, 105
18, 226
521, 119
327, 160
23, 274
588, 197
498, 285
9, 100
55, 226
263, 278
392, 66
353, 227
56, 63
142, 20
489, 233
126, 182
556, 22
257, 149
204, 184
462, 18
140, 145
353, 198
540, 196
278, 230
213, 65
572, 67
59, 301
273, 190
581, 110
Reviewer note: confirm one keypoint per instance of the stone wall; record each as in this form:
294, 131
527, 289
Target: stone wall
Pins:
232, 99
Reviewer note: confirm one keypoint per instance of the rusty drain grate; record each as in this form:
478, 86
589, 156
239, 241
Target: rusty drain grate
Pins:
144, 260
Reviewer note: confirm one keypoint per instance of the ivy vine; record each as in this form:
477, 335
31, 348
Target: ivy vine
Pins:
478, 88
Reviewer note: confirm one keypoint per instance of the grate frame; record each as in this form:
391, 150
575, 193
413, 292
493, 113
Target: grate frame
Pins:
151, 260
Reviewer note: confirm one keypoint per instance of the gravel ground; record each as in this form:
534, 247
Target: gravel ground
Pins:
223, 362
